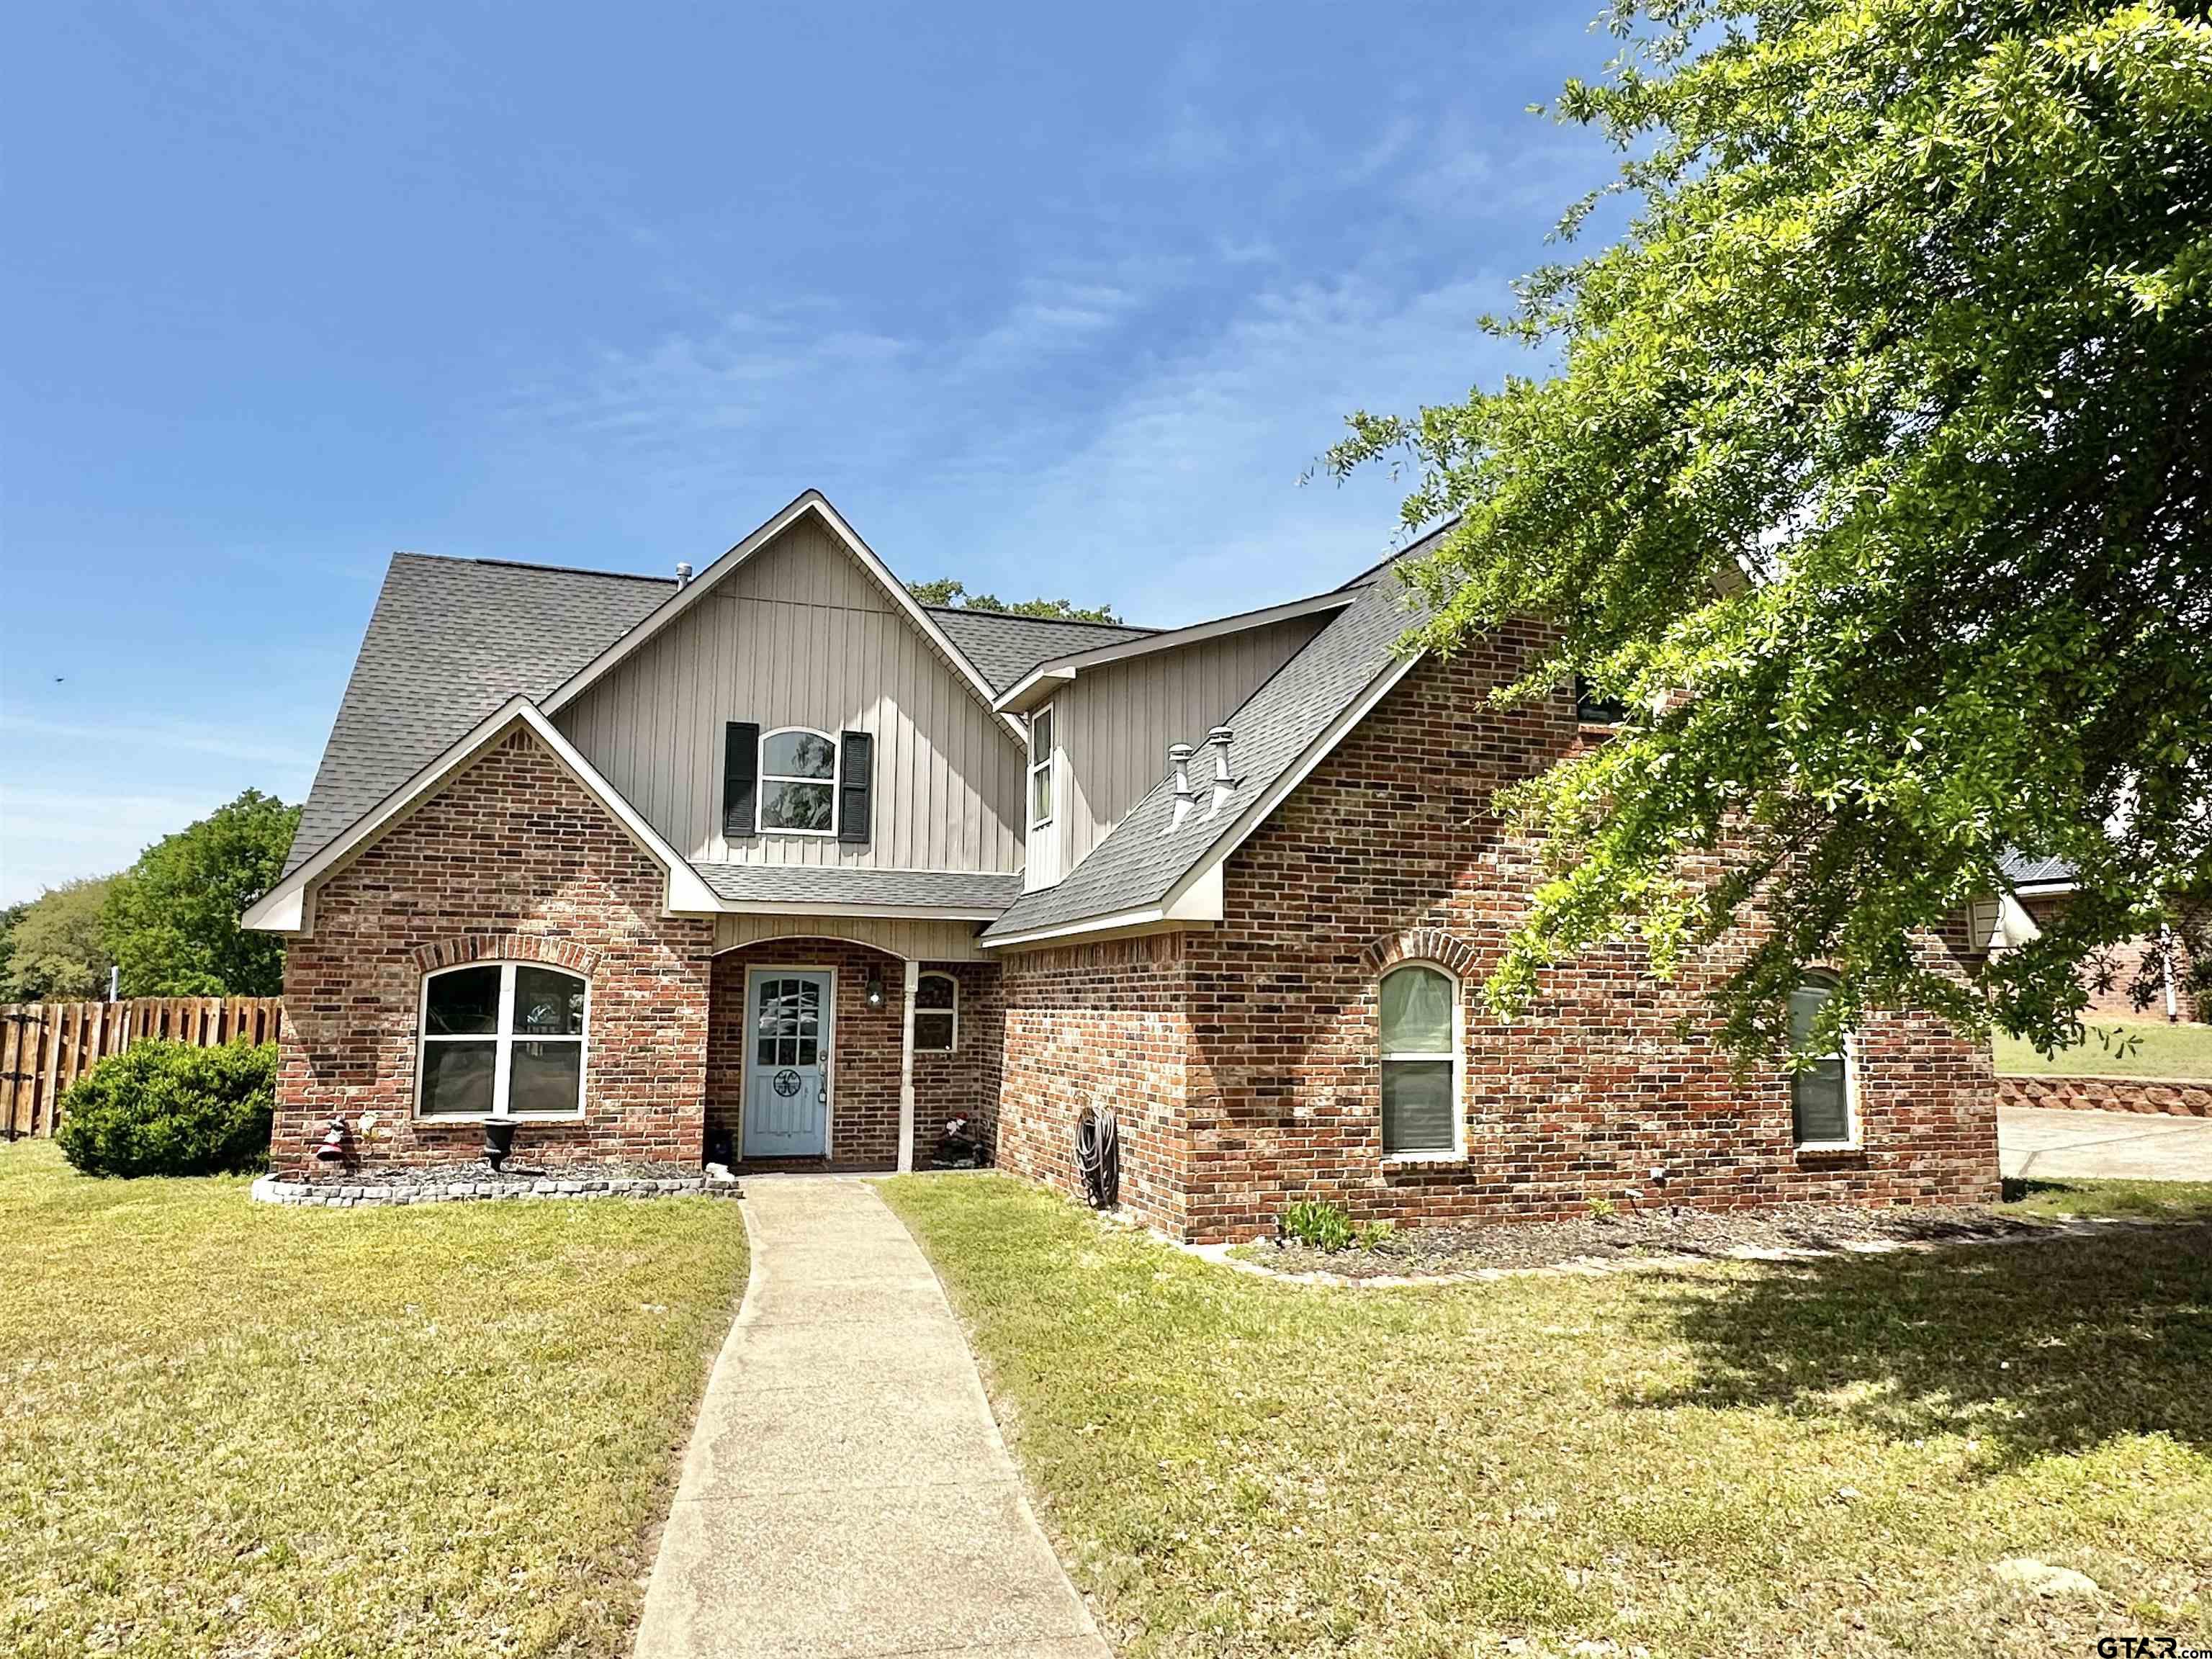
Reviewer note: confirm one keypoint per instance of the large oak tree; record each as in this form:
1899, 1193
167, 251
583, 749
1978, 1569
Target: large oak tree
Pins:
1871, 473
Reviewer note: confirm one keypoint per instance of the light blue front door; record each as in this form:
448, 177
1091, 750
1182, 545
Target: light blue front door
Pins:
787, 1063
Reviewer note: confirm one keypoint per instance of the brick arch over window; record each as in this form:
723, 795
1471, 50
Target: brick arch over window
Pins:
505, 947
1447, 950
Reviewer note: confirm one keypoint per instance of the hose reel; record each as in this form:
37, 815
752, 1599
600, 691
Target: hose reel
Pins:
1099, 1156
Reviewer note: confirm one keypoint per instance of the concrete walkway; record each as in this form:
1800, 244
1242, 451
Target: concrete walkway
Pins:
2059, 1145
846, 1491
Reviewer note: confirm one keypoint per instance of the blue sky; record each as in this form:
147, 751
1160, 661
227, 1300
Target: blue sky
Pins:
1050, 299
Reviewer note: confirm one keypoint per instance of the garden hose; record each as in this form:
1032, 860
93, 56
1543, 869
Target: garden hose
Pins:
1099, 1156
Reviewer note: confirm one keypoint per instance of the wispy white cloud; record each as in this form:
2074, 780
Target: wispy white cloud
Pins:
167, 736
49, 835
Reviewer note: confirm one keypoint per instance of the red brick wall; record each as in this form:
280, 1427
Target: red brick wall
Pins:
1105, 1024
512, 860
965, 1081
865, 1045
1269, 1022
2124, 962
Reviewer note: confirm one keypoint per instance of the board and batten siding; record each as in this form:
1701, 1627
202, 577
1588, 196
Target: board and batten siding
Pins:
1116, 722
800, 635
915, 938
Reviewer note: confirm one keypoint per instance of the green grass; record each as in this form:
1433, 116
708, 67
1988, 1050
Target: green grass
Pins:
2163, 1050
1820, 1457
2126, 1200
230, 1429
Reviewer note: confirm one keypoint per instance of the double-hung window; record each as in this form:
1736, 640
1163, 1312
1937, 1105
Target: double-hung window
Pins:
502, 1039
799, 782
936, 1014
1420, 1060
1823, 1092
1041, 737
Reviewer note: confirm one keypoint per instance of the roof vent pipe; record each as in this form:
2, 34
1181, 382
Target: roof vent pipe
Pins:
1225, 785
682, 575
1179, 756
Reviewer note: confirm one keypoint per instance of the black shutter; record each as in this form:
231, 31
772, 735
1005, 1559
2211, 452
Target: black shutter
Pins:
856, 771
741, 779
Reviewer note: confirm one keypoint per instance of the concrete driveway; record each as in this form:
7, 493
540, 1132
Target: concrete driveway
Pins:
2051, 1145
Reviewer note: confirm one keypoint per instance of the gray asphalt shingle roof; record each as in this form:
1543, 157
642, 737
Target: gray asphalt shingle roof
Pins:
1141, 860
2022, 870
833, 883
1005, 647
449, 642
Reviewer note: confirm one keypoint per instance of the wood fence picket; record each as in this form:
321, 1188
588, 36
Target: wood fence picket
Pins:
46, 1046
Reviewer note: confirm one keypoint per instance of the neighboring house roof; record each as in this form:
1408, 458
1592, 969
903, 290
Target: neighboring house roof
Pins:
1140, 871
449, 641
1006, 646
815, 887
2021, 871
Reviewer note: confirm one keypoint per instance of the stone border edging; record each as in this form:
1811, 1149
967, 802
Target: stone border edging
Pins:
2089, 1092
370, 1195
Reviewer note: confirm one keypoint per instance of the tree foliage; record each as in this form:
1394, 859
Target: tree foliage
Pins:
171, 919
1912, 328
947, 591
57, 951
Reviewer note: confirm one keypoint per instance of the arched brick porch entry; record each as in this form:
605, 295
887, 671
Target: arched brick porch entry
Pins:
871, 1121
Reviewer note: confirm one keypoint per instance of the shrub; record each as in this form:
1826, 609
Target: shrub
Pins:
1321, 1226
170, 1109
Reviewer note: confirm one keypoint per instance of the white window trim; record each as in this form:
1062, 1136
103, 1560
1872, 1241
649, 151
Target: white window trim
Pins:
920, 1012
502, 1040
1047, 711
1852, 1140
763, 777
1457, 1151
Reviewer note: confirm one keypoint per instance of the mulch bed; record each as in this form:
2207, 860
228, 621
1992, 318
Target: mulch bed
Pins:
1414, 1252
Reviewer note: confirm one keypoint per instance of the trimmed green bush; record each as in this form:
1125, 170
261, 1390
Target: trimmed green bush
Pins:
170, 1109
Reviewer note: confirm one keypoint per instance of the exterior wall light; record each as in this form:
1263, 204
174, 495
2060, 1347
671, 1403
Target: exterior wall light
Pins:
874, 993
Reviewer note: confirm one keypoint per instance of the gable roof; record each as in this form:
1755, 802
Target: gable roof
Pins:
1042, 681
449, 642
808, 502
1006, 646
1143, 869
288, 906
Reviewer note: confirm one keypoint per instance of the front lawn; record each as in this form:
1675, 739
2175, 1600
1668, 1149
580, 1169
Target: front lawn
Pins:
231, 1429
1823, 1457
2157, 1050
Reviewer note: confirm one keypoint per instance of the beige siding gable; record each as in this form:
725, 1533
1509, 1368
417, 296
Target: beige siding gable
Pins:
1116, 721
801, 635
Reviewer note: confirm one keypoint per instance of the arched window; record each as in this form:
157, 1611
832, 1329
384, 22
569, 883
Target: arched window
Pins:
936, 1014
1420, 1060
502, 1039
799, 782
1824, 1094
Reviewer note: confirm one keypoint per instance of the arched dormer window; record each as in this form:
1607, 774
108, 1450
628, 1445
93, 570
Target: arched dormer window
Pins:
1420, 1060
799, 782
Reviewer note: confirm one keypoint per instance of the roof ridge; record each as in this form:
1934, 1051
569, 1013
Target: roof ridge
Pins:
531, 564
1023, 616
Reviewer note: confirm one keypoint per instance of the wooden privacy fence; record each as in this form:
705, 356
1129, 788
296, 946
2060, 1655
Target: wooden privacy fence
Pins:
46, 1046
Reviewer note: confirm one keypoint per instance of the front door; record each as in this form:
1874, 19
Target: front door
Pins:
787, 1063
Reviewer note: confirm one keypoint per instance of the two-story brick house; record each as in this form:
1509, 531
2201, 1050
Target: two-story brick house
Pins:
776, 865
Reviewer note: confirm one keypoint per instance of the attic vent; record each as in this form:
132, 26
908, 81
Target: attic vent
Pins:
1179, 756
1224, 783
682, 575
